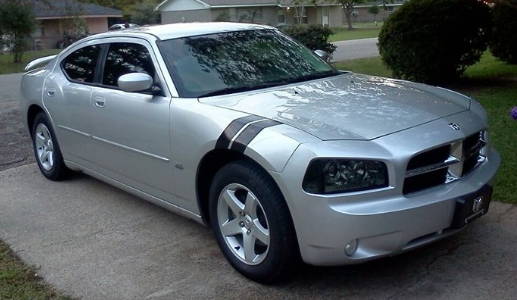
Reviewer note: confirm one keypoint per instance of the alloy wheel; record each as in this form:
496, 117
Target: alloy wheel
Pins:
243, 224
44, 146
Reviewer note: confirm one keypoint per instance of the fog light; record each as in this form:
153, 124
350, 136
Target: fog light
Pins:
351, 247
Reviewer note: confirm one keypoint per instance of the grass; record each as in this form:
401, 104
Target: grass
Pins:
6, 60
494, 84
360, 31
18, 281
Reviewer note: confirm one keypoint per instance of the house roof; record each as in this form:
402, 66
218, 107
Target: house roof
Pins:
67, 8
280, 3
245, 3
240, 2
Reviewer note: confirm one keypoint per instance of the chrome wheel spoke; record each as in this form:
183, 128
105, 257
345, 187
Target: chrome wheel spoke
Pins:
50, 158
249, 248
261, 233
40, 138
44, 156
233, 203
231, 228
250, 206
50, 146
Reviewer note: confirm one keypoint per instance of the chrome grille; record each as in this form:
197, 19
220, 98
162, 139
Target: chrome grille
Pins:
445, 164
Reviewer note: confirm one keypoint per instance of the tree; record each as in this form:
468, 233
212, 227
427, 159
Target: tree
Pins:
349, 5
503, 42
144, 13
299, 7
434, 41
374, 10
348, 8
16, 25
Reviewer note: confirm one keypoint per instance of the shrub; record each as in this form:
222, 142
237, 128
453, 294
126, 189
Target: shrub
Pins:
434, 40
503, 42
314, 37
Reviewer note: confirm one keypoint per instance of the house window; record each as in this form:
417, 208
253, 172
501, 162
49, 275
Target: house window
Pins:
281, 16
250, 15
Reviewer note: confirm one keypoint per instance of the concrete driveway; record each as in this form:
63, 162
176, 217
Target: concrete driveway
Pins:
354, 49
97, 242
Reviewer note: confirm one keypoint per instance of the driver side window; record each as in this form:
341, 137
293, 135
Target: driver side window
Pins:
124, 58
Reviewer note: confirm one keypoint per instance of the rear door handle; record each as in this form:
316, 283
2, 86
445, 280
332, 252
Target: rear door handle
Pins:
51, 92
99, 101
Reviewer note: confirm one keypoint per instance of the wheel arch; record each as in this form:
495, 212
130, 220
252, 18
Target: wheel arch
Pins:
209, 165
32, 112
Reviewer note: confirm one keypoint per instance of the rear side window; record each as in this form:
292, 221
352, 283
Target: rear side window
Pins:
81, 64
124, 58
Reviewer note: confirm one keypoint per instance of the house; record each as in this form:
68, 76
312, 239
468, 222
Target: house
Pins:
269, 12
59, 18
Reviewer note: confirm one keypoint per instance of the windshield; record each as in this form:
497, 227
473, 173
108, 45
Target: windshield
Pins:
230, 62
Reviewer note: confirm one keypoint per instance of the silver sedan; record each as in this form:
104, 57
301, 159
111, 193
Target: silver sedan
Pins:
243, 129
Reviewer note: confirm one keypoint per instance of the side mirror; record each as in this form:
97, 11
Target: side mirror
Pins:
322, 54
135, 82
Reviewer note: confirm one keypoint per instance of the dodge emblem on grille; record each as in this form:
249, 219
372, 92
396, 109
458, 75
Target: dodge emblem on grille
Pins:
454, 126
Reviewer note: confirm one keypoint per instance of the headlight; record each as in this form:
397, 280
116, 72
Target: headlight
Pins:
329, 176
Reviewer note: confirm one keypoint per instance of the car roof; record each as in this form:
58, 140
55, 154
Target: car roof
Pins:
178, 30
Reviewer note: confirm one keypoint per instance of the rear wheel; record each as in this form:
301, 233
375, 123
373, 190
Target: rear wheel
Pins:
252, 223
46, 149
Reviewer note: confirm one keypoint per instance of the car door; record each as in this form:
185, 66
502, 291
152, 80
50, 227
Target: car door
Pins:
131, 131
67, 95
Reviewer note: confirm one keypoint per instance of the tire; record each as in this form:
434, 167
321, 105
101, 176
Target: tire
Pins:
270, 222
46, 149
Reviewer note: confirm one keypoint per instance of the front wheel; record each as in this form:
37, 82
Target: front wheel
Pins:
252, 223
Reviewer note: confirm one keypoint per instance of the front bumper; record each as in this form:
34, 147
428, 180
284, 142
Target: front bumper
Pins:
382, 223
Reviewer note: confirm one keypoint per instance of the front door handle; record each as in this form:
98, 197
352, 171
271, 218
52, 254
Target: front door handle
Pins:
99, 102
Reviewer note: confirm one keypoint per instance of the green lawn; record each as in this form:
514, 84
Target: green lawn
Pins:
6, 60
18, 281
360, 31
494, 84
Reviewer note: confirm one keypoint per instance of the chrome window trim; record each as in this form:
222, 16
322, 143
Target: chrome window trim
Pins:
159, 65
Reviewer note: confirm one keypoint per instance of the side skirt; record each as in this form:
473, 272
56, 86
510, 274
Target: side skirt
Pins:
150, 198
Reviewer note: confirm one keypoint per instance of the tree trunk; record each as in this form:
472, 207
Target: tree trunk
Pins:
348, 16
18, 49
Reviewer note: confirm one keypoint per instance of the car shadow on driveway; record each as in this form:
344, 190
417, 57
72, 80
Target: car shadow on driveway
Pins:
95, 241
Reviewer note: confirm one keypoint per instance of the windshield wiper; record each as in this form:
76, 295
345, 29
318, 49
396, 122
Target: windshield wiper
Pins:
314, 76
239, 89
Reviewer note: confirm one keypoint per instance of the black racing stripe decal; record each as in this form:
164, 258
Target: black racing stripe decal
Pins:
248, 134
235, 126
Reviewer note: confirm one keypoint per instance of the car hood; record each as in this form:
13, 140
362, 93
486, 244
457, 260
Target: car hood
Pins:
348, 106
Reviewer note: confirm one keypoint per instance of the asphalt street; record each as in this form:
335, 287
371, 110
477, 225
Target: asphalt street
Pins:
354, 49
15, 145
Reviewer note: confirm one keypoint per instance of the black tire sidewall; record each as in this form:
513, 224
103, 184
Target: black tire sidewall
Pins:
283, 248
